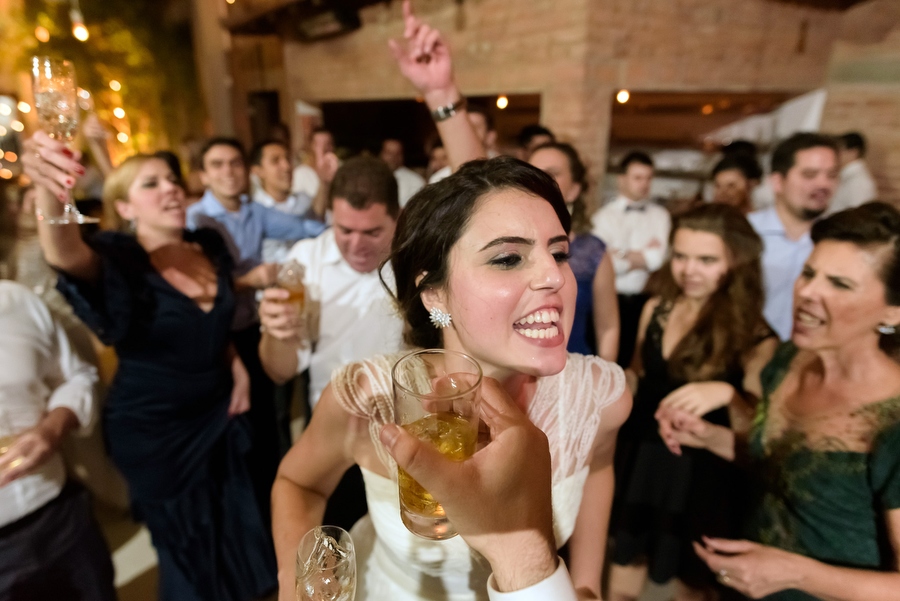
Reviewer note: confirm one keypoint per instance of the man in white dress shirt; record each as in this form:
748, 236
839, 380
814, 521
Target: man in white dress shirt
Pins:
50, 545
350, 316
636, 233
857, 185
408, 181
270, 162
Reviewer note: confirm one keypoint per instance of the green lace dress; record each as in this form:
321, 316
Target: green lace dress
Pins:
825, 482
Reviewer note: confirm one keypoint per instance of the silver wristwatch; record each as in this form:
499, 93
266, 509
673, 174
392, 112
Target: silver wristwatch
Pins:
442, 113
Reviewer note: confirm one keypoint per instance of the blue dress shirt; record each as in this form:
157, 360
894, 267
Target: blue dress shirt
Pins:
244, 231
782, 263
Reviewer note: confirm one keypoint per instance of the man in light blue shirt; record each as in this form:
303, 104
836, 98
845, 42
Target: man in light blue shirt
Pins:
243, 224
804, 178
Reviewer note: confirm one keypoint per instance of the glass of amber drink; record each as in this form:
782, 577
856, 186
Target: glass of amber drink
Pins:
290, 277
437, 394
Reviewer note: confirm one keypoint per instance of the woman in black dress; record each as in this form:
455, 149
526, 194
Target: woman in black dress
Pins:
163, 298
701, 343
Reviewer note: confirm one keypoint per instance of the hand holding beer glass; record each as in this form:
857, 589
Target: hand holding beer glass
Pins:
437, 395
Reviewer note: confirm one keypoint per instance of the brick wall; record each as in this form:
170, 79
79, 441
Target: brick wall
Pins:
864, 88
577, 53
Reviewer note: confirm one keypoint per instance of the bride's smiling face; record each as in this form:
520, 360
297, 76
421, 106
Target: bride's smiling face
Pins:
510, 289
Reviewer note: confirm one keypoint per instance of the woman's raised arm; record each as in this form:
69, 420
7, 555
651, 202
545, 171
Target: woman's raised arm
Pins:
54, 169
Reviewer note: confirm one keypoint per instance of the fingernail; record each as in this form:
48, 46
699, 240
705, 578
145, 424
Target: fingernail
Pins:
62, 196
79, 170
67, 152
389, 434
70, 182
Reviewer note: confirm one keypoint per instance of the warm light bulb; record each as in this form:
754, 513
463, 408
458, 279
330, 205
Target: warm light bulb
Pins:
3, 131
623, 96
502, 102
11, 156
230, 1
122, 137
82, 93
5, 173
115, 86
24, 107
80, 32
5, 109
17, 125
707, 109
119, 112
42, 33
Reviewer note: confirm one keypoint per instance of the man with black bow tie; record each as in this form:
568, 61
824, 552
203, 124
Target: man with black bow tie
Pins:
636, 232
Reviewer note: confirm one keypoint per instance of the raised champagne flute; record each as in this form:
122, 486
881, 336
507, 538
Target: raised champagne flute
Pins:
56, 103
326, 565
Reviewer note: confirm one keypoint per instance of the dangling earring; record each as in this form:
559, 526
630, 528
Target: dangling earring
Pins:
439, 319
887, 329
132, 225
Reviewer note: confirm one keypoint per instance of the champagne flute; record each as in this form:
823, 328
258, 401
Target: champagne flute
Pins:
56, 103
326, 565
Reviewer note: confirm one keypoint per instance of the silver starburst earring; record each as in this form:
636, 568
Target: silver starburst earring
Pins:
439, 319
887, 329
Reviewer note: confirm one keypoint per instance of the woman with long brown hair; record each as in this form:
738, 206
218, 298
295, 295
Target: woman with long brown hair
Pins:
701, 343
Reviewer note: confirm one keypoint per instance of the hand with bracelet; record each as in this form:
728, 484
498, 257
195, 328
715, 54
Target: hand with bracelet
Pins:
424, 59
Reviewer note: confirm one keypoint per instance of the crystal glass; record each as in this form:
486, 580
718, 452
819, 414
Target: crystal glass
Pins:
326, 565
56, 103
290, 277
437, 394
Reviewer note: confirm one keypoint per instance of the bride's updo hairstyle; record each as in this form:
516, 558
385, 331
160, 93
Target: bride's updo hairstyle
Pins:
436, 217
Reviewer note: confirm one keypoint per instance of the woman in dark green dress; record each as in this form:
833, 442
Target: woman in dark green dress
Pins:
825, 446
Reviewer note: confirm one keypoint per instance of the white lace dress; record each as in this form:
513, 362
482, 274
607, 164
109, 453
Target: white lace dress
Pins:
395, 565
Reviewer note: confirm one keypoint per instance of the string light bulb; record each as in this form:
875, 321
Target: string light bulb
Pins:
502, 102
24, 107
114, 85
623, 96
42, 34
17, 125
119, 112
122, 137
78, 29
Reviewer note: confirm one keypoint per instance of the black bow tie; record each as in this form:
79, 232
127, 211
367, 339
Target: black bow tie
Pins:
635, 207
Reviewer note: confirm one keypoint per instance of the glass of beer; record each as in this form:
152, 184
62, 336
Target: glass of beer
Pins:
437, 394
290, 277
326, 565
7, 437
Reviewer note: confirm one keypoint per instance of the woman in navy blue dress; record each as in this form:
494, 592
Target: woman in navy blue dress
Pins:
163, 298
596, 327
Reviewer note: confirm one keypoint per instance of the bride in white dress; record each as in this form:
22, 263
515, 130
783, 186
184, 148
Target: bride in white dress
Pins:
489, 246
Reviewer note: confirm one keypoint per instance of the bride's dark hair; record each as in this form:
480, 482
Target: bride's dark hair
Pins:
434, 220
